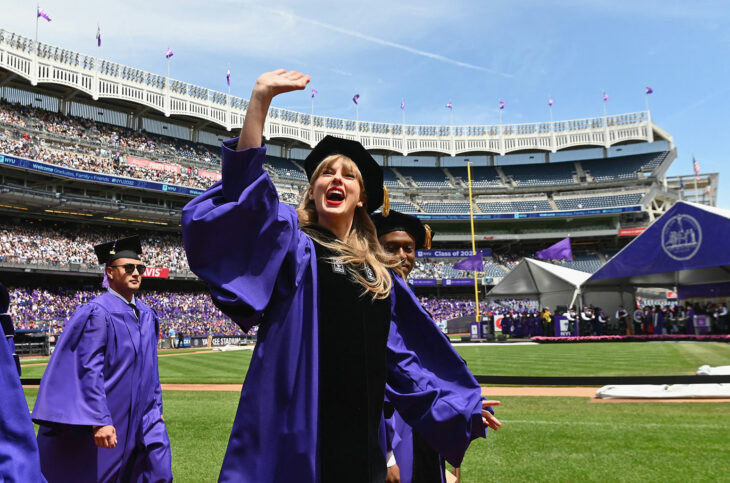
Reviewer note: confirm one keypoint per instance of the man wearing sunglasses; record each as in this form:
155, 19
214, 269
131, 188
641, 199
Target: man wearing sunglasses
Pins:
99, 406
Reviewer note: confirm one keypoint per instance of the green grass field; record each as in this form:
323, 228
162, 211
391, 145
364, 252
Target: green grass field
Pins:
596, 359
543, 438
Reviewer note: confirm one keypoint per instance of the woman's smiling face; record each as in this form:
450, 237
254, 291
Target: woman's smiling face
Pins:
337, 189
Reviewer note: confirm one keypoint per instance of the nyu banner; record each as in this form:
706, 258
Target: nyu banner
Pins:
486, 252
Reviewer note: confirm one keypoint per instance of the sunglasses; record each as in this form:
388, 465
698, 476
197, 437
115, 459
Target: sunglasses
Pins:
129, 268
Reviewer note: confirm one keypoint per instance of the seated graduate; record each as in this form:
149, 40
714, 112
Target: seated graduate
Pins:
19, 460
99, 406
412, 458
334, 323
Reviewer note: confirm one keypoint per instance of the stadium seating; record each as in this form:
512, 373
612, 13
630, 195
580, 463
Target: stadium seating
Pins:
426, 177
540, 174
622, 168
514, 206
481, 177
445, 208
607, 201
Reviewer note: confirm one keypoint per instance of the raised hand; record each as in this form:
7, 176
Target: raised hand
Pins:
280, 81
267, 86
487, 417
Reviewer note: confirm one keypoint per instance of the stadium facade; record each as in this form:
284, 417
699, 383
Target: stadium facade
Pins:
599, 180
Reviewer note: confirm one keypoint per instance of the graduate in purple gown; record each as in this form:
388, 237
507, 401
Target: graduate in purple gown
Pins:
19, 460
334, 323
410, 458
99, 406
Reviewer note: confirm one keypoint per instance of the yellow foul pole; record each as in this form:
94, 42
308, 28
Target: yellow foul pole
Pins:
473, 242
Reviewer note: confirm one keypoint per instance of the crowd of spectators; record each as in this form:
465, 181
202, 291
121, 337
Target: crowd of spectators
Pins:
190, 313
63, 244
96, 160
119, 138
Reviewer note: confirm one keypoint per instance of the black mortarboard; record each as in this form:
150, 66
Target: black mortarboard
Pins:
372, 173
397, 221
129, 247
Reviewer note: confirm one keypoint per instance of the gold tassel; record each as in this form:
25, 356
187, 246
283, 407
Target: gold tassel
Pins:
386, 202
427, 239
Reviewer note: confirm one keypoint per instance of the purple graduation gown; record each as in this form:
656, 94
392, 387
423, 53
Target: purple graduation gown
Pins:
103, 371
19, 460
262, 269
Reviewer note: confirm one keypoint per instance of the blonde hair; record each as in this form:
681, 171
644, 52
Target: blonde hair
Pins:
362, 248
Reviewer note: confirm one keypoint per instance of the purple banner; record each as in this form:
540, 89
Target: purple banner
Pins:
451, 253
422, 282
458, 281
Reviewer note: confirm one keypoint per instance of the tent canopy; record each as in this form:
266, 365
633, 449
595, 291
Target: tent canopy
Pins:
687, 245
550, 284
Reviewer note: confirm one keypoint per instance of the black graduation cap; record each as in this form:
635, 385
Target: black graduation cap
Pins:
372, 173
397, 221
129, 247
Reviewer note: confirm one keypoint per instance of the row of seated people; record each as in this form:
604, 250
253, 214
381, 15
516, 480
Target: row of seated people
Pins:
60, 244
93, 160
90, 131
48, 309
192, 313
98, 160
127, 141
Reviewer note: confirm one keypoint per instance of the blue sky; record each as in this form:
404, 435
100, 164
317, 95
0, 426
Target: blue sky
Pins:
472, 53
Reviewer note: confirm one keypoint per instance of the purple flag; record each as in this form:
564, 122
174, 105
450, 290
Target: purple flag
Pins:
98, 36
355, 98
42, 14
169, 53
314, 93
449, 105
559, 251
473, 263
228, 77
605, 96
649, 90
402, 104
502, 104
550, 102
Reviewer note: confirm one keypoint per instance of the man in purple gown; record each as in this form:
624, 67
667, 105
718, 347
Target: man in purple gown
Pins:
99, 406
18, 449
410, 458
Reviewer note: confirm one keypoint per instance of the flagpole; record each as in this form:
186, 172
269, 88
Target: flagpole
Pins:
552, 126
473, 242
357, 117
35, 44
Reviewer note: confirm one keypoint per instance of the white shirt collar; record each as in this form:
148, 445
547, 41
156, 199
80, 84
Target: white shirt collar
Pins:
133, 301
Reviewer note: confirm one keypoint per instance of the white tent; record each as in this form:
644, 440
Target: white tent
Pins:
551, 285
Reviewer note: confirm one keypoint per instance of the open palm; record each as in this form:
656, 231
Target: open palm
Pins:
281, 80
